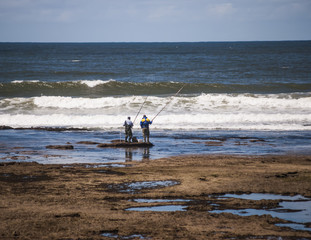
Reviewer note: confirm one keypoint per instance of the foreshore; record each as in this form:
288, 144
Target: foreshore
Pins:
79, 201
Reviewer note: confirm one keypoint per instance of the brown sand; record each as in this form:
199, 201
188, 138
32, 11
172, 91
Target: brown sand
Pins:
75, 202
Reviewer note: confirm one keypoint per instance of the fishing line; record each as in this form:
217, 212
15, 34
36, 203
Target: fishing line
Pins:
139, 112
169, 101
140, 109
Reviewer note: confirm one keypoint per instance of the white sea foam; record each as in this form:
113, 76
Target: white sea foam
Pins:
196, 104
94, 83
89, 83
206, 111
27, 81
206, 121
80, 103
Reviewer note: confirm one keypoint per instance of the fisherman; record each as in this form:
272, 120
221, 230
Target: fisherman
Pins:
144, 124
128, 124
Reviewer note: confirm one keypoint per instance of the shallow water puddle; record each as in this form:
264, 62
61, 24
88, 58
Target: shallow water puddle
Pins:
161, 208
142, 200
296, 209
114, 235
98, 166
106, 165
164, 208
264, 196
133, 187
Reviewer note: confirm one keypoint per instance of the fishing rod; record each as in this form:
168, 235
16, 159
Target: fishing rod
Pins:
169, 102
140, 109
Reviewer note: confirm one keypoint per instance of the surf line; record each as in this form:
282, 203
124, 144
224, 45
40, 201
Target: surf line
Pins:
169, 101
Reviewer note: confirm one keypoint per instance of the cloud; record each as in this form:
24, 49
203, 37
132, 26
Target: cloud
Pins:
37, 11
269, 10
220, 10
164, 12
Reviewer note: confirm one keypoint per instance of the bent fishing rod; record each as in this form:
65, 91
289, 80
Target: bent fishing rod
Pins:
169, 101
140, 108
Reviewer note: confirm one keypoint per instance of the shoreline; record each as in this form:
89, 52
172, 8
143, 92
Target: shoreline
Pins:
31, 145
71, 201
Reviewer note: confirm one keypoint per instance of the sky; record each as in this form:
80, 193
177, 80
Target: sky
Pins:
154, 20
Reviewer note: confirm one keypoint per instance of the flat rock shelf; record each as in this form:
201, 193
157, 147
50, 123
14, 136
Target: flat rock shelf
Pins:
125, 145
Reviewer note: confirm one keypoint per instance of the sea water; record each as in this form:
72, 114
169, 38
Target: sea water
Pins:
296, 209
248, 97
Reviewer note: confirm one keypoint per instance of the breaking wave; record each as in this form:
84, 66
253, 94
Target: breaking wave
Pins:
102, 88
186, 111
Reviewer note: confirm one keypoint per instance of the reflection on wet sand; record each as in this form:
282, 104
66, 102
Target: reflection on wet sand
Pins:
146, 154
129, 154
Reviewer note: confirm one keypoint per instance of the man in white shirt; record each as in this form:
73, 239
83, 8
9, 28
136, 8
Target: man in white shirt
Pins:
128, 124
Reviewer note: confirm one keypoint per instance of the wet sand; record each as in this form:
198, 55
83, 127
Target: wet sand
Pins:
89, 202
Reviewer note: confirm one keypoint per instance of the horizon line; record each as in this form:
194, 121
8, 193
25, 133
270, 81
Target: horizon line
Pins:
231, 41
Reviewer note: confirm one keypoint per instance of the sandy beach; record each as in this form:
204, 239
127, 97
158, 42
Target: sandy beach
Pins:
79, 201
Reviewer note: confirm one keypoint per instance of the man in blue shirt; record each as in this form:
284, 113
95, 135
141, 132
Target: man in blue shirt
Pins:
144, 124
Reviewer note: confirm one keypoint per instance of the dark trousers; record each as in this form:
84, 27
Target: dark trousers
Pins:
128, 133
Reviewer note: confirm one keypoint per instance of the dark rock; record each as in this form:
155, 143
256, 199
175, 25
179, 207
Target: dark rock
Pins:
257, 140
5, 127
117, 141
54, 129
134, 140
69, 215
212, 143
125, 145
60, 147
88, 142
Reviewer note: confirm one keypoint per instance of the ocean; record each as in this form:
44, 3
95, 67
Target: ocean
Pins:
235, 98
